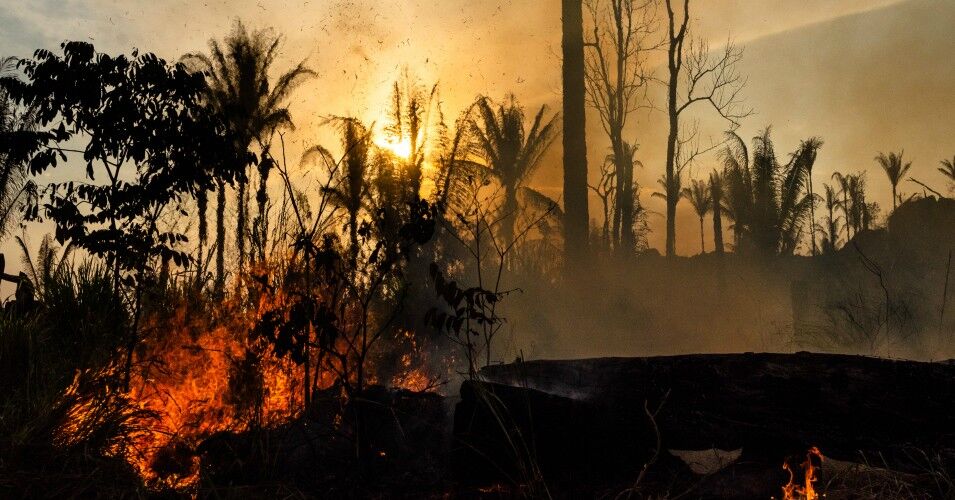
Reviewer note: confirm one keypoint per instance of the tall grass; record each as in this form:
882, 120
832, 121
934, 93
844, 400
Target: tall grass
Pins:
63, 424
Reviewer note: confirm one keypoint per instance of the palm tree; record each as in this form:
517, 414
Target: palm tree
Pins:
794, 207
509, 151
716, 196
239, 89
622, 235
351, 187
948, 170
844, 189
50, 262
859, 214
809, 149
737, 186
14, 181
767, 200
675, 186
830, 233
895, 170
410, 123
698, 194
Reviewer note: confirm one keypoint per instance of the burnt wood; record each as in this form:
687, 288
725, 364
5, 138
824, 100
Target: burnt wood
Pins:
590, 414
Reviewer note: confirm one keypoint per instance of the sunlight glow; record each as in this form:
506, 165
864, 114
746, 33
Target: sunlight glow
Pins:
400, 148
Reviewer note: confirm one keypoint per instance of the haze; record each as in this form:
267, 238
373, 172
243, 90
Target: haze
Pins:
866, 76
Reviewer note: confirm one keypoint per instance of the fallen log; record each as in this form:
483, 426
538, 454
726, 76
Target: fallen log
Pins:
770, 405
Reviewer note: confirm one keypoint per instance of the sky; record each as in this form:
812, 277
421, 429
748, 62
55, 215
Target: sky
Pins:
864, 75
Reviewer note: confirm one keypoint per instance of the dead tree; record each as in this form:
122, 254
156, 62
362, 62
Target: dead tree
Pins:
606, 191
621, 35
696, 76
576, 219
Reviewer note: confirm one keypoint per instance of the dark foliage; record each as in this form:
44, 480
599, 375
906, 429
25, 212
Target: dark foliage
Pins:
143, 130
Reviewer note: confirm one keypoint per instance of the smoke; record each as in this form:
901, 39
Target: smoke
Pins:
883, 293
865, 76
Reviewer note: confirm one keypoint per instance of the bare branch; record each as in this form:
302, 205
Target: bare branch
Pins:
714, 78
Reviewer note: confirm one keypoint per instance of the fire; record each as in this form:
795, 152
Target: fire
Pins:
199, 373
201, 379
792, 491
410, 374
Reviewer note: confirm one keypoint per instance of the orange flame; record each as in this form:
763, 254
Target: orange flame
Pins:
202, 376
792, 491
195, 378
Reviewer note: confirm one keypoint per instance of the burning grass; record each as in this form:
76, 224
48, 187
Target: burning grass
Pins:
201, 373
202, 377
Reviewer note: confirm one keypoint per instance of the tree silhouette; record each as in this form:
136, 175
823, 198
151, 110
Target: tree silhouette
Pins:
624, 205
948, 170
895, 170
844, 204
240, 90
50, 261
716, 196
810, 147
700, 197
410, 125
606, 191
350, 188
766, 199
859, 214
14, 182
510, 151
830, 232
617, 83
695, 76
576, 220
671, 185
141, 130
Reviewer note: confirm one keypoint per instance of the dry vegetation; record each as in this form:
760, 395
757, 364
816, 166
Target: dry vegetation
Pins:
158, 346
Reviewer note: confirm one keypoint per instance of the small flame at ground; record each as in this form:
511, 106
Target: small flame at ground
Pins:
793, 491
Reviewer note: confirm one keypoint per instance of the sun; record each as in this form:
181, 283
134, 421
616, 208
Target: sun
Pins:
400, 147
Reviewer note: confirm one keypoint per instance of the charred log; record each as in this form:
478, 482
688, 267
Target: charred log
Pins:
591, 414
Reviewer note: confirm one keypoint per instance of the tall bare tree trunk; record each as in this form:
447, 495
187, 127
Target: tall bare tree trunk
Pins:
262, 201
576, 218
510, 215
220, 236
202, 206
674, 65
717, 227
693, 65
672, 137
241, 222
812, 213
626, 206
624, 161
615, 235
